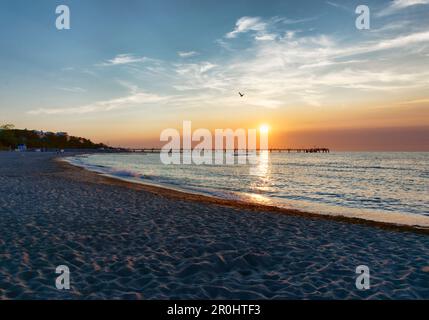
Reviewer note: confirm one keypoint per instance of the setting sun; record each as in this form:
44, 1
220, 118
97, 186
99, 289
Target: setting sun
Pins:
264, 128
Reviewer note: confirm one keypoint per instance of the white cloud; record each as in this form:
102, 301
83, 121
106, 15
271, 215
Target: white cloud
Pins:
337, 5
292, 69
263, 30
265, 37
187, 54
397, 5
194, 68
326, 46
403, 41
246, 24
122, 59
72, 89
407, 3
304, 69
290, 34
293, 21
327, 63
133, 99
417, 101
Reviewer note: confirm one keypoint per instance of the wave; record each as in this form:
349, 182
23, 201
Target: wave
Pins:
330, 206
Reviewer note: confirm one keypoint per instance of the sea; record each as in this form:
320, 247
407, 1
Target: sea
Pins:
385, 186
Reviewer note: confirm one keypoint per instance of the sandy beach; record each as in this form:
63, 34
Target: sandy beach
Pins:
123, 241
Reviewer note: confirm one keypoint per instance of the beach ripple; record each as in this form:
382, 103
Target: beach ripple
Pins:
122, 243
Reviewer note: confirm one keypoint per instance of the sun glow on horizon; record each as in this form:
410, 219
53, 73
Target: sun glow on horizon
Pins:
264, 128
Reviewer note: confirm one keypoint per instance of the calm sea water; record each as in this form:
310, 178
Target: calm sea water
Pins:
321, 183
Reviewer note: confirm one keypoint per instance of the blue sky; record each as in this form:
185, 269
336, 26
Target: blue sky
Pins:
161, 61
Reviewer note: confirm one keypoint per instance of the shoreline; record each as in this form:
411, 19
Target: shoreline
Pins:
129, 241
176, 194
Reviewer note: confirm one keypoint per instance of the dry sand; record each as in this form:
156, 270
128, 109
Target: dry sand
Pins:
131, 242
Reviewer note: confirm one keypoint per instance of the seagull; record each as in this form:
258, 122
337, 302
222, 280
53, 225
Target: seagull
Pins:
241, 94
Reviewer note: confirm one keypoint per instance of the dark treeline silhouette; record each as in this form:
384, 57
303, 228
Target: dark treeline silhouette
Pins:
10, 138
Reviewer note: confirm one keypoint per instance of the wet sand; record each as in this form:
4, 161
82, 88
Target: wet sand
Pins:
126, 241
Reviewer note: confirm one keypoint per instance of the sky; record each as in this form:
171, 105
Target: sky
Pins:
126, 70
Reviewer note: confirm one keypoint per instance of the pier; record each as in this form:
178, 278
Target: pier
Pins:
304, 150
279, 150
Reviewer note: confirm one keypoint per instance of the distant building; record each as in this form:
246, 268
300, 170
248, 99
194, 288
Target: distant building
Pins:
40, 134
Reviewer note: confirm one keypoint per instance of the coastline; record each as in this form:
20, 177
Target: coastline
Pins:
127, 241
175, 193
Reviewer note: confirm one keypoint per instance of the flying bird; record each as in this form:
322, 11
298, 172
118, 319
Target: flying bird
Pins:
241, 94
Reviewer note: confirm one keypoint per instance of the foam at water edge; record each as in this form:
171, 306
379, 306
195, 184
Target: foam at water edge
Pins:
396, 218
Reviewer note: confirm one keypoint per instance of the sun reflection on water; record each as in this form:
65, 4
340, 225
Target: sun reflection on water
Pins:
262, 176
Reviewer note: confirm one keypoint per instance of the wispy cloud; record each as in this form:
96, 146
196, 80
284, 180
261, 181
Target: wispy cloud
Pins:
72, 89
133, 99
289, 68
187, 54
417, 101
122, 59
397, 5
265, 37
246, 24
194, 68
339, 6
260, 29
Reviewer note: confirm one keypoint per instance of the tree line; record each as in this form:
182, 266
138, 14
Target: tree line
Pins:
10, 138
